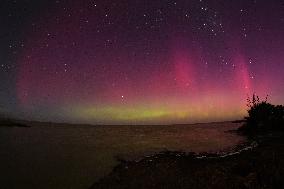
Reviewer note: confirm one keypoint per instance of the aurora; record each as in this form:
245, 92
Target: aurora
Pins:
183, 62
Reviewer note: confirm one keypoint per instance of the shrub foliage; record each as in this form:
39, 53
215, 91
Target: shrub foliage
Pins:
263, 116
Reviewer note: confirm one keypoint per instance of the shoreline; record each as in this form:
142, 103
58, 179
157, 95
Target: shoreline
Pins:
245, 146
258, 165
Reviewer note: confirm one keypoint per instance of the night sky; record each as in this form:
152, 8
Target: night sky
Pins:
139, 61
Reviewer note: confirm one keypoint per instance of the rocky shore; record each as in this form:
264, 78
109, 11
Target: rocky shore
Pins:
259, 166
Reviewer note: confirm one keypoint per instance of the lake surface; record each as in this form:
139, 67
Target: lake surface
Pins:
74, 156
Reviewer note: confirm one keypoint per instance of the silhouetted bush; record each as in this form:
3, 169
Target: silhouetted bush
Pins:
263, 116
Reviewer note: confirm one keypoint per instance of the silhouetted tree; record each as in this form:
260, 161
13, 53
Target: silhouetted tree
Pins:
263, 116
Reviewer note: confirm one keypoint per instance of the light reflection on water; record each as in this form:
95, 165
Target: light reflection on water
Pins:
75, 157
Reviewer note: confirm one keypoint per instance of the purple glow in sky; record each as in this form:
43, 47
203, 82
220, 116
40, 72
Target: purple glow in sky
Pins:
142, 62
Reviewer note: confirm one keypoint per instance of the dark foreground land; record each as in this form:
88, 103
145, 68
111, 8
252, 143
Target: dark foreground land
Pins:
260, 167
12, 123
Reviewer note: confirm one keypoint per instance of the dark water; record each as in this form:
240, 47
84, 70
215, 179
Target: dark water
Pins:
76, 156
